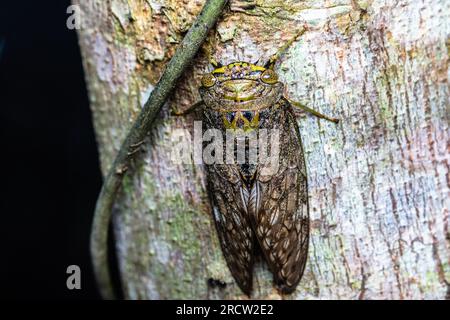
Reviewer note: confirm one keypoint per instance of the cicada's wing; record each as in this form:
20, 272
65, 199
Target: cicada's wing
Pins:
281, 220
233, 224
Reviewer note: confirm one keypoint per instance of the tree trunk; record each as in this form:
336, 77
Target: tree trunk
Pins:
378, 181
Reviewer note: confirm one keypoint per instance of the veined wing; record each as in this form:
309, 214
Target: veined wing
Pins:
232, 222
281, 220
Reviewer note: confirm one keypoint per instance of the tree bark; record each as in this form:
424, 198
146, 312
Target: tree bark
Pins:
378, 181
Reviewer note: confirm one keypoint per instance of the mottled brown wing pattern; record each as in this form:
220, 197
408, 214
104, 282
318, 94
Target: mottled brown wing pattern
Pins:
273, 213
282, 222
233, 225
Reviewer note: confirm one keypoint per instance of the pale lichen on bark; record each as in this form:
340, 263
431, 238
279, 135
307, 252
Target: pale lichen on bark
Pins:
379, 186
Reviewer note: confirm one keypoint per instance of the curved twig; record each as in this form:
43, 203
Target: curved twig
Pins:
102, 217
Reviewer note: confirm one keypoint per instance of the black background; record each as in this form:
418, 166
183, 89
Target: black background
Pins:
49, 168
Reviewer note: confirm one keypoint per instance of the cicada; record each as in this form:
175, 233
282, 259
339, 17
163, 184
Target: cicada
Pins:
258, 213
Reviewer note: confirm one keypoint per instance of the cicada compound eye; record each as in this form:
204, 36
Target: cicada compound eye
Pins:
269, 76
208, 80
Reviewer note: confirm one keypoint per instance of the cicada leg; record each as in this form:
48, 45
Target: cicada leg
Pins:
213, 61
189, 110
277, 55
211, 58
312, 111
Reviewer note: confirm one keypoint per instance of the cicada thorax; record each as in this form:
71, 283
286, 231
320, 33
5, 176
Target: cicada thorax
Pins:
244, 120
244, 133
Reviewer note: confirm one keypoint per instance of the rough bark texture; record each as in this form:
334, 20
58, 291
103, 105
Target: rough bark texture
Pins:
379, 181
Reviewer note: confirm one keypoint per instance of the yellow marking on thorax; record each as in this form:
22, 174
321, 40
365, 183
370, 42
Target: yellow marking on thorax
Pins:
257, 68
253, 67
248, 125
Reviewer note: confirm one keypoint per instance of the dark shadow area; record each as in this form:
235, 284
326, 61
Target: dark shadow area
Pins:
49, 161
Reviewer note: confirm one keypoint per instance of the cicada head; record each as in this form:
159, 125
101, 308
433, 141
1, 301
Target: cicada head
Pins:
240, 85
